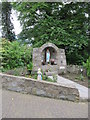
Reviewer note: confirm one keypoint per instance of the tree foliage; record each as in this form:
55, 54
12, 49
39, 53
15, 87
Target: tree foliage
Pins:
7, 26
66, 25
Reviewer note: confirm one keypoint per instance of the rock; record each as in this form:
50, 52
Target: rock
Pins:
41, 92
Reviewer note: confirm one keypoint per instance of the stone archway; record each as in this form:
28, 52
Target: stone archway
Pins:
48, 45
53, 53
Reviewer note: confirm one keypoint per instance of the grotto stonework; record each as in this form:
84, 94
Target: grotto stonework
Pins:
57, 62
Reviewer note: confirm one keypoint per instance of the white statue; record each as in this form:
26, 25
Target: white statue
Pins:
39, 77
47, 56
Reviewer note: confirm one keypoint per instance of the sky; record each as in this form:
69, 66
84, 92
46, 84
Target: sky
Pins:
16, 22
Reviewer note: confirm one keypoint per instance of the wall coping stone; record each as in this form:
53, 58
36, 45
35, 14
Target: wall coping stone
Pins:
41, 81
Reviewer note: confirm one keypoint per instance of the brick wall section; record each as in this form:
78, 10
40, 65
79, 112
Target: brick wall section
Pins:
41, 88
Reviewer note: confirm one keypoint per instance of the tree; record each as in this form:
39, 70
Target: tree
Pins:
62, 24
7, 26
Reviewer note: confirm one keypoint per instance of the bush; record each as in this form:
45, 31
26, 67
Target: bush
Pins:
16, 55
87, 66
30, 66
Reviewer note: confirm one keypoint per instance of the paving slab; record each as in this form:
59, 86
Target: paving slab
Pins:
83, 91
17, 105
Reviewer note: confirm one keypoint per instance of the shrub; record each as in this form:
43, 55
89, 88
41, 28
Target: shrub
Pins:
16, 55
55, 78
87, 66
30, 66
3, 43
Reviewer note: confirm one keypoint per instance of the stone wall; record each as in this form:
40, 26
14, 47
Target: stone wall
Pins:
76, 69
36, 59
41, 88
56, 53
17, 71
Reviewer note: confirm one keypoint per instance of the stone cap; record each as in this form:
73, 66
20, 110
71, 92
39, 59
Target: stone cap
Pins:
41, 81
48, 45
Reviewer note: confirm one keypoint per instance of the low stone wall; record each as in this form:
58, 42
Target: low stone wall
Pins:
17, 71
41, 88
75, 69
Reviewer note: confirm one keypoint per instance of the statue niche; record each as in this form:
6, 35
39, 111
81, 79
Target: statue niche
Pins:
49, 56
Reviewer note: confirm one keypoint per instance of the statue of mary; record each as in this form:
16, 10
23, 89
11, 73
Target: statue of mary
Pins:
47, 56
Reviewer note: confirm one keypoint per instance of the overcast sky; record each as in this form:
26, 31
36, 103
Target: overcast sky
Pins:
16, 22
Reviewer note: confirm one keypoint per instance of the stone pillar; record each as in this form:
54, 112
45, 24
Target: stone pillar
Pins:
62, 61
36, 59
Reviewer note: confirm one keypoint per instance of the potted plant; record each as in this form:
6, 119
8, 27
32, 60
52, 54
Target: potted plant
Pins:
52, 61
43, 62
